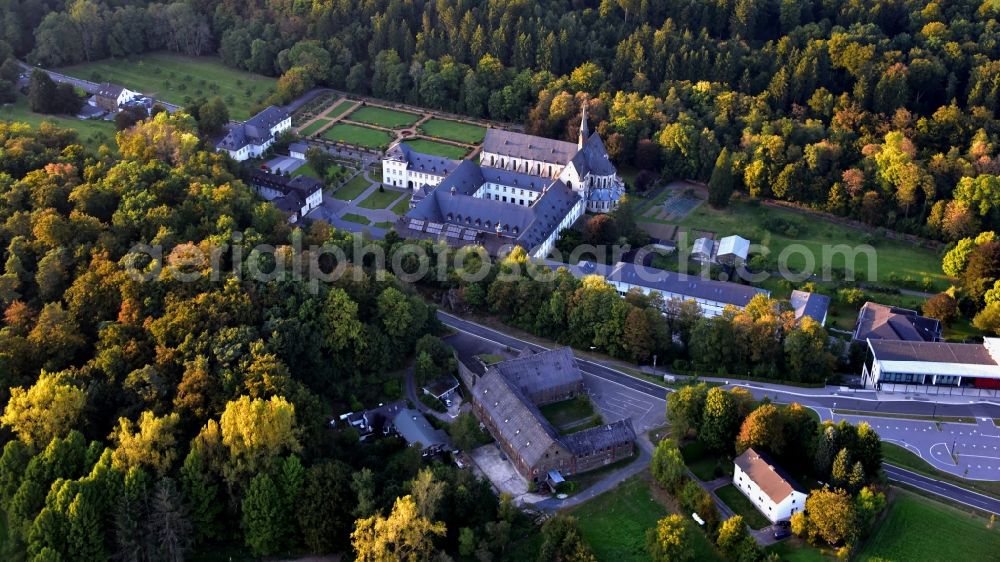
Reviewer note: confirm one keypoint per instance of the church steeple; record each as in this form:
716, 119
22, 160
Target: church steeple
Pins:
583, 128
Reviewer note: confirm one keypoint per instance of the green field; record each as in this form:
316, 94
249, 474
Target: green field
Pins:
92, 132
796, 550
437, 148
453, 130
742, 506
357, 135
614, 524
568, 412
382, 117
747, 220
903, 458
352, 217
918, 529
306, 170
339, 109
379, 199
700, 460
402, 206
179, 79
352, 189
314, 127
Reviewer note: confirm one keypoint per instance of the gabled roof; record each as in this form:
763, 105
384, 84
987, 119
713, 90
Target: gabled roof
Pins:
704, 246
109, 90
597, 438
879, 321
516, 418
541, 371
813, 305
255, 130
420, 162
769, 477
593, 158
414, 428
734, 246
528, 147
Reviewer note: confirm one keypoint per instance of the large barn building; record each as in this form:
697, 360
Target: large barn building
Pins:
505, 397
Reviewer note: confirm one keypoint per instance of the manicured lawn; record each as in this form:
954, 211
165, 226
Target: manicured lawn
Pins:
305, 170
742, 506
388, 118
352, 189
490, 358
351, 217
903, 458
747, 220
386, 225
314, 128
614, 524
453, 130
437, 148
567, 411
339, 109
402, 206
92, 132
357, 135
179, 79
379, 199
917, 529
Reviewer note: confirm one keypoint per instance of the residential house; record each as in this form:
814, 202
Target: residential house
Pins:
414, 428
295, 196
813, 305
110, 97
769, 488
442, 388
253, 137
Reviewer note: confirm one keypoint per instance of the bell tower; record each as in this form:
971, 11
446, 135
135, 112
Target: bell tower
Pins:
583, 128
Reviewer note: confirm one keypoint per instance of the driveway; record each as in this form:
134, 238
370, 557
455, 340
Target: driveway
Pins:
490, 463
284, 164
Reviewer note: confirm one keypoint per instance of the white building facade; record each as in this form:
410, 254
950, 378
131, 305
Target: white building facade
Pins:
768, 488
253, 137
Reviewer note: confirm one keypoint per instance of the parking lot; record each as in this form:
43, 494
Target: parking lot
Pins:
616, 402
489, 462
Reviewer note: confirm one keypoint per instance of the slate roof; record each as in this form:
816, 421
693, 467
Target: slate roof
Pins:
813, 305
932, 352
538, 372
769, 477
451, 212
597, 438
528, 147
109, 90
420, 162
255, 130
303, 185
879, 321
690, 286
414, 428
593, 158
517, 419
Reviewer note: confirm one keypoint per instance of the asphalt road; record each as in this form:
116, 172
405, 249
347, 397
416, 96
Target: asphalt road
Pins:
943, 489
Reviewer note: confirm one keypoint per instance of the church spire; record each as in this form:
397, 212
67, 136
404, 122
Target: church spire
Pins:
583, 128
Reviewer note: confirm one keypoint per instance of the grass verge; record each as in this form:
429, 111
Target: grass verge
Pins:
351, 217
945, 419
901, 457
92, 132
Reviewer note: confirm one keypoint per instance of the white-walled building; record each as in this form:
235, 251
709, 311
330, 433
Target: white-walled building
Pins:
711, 296
732, 250
254, 136
110, 97
932, 367
769, 488
296, 196
404, 167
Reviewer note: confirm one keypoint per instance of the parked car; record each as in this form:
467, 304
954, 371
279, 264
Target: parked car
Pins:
781, 532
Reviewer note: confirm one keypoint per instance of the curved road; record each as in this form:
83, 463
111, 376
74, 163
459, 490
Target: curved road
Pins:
927, 484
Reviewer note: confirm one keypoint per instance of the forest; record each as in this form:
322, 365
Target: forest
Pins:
884, 111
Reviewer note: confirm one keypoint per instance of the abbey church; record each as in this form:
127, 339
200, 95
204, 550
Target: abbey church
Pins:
524, 190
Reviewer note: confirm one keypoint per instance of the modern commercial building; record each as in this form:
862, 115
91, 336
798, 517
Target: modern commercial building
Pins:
505, 397
932, 367
883, 322
711, 296
769, 488
253, 137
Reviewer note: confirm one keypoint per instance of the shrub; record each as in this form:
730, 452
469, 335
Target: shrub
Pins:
433, 403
